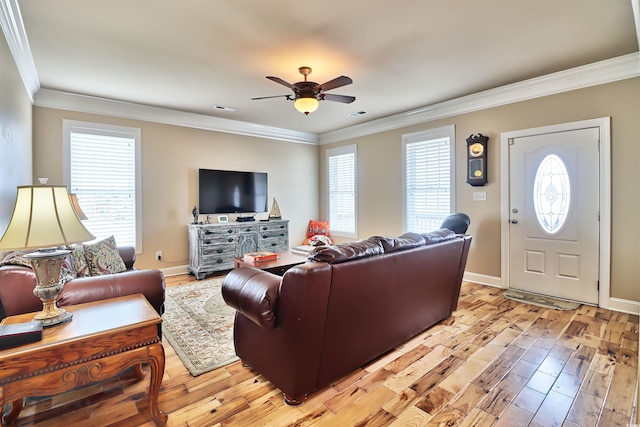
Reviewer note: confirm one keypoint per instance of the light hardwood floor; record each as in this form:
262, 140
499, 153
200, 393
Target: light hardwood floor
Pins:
495, 362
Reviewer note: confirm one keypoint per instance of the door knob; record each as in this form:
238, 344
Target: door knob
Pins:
514, 221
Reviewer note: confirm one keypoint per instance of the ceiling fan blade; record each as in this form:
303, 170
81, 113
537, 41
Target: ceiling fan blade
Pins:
335, 83
279, 80
268, 97
338, 98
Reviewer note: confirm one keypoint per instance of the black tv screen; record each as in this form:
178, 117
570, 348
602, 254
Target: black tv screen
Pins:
222, 191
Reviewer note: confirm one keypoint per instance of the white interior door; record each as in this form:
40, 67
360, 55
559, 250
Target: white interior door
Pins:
554, 214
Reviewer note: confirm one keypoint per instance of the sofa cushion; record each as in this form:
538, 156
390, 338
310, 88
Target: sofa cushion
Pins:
346, 251
103, 257
406, 241
438, 236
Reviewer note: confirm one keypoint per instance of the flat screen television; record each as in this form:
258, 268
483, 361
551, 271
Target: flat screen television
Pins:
222, 191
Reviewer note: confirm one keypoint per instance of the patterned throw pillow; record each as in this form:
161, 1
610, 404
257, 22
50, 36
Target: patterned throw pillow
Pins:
316, 228
319, 240
80, 265
67, 271
103, 257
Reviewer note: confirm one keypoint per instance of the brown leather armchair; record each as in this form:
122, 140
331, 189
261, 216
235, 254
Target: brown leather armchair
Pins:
17, 283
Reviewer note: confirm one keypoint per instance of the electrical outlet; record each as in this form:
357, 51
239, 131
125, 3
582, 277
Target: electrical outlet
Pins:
159, 255
479, 196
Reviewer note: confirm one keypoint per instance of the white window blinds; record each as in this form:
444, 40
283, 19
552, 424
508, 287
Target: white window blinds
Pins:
341, 171
428, 180
103, 171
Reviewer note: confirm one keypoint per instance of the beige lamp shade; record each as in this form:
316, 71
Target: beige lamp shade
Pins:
306, 105
43, 217
76, 207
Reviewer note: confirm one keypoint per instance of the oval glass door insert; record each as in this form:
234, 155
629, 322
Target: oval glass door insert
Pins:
551, 194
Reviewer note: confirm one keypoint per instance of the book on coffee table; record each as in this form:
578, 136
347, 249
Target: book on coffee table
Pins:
20, 333
259, 256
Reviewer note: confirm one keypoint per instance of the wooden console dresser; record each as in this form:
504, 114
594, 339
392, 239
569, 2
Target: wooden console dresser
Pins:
103, 339
213, 247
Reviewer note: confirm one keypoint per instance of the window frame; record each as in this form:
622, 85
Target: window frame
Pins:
339, 151
70, 126
422, 136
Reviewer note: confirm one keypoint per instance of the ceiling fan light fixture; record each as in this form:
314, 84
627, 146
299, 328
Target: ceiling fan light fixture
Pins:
306, 105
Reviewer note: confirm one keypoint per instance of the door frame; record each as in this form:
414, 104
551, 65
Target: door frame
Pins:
604, 248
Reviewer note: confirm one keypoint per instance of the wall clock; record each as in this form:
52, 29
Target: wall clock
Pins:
477, 159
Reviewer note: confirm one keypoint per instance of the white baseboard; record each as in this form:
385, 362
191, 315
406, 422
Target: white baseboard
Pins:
624, 305
175, 271
483, 279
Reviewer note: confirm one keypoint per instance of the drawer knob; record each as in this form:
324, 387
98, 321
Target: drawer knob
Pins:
219, 261
219, 251
206, 242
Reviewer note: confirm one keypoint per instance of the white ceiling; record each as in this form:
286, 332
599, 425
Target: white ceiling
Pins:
401, 54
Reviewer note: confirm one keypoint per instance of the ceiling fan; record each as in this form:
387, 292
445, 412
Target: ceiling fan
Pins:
306, 94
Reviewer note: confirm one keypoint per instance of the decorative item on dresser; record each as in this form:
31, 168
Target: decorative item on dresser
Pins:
213, 247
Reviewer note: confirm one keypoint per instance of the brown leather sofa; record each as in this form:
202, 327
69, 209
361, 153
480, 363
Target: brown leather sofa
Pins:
17, 283
347, 305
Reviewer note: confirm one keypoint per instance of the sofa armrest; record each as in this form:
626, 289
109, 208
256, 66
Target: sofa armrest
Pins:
16, 291
253, 293
149, 283
128, 255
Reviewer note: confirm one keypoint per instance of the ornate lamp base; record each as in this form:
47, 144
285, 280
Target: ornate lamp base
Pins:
46, 265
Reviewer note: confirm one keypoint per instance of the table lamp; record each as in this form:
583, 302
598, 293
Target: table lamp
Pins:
76, 207
44, 219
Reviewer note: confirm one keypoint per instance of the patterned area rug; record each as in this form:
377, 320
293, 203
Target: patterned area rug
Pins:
541, 300
199, 325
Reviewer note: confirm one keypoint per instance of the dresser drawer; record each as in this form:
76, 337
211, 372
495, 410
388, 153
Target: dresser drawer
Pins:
218, 240
208, 232
218, 250
274, 227
247, 229
218, 256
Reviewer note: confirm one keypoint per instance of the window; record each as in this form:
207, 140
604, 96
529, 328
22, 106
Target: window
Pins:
341, 173
102, 167
429, 178
551, 194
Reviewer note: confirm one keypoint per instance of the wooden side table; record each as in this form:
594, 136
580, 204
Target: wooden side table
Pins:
103, 339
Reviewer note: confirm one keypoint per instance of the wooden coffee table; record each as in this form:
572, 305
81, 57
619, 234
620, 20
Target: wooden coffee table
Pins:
279, 266
103, 339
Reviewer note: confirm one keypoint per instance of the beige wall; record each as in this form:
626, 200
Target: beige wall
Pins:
171, 157
380, 174
15, 134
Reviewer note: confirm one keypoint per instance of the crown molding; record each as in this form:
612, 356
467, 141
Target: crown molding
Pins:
611, 70
129, 110
607, 71
16, 36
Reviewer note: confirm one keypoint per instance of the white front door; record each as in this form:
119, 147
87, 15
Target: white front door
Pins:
553, 215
